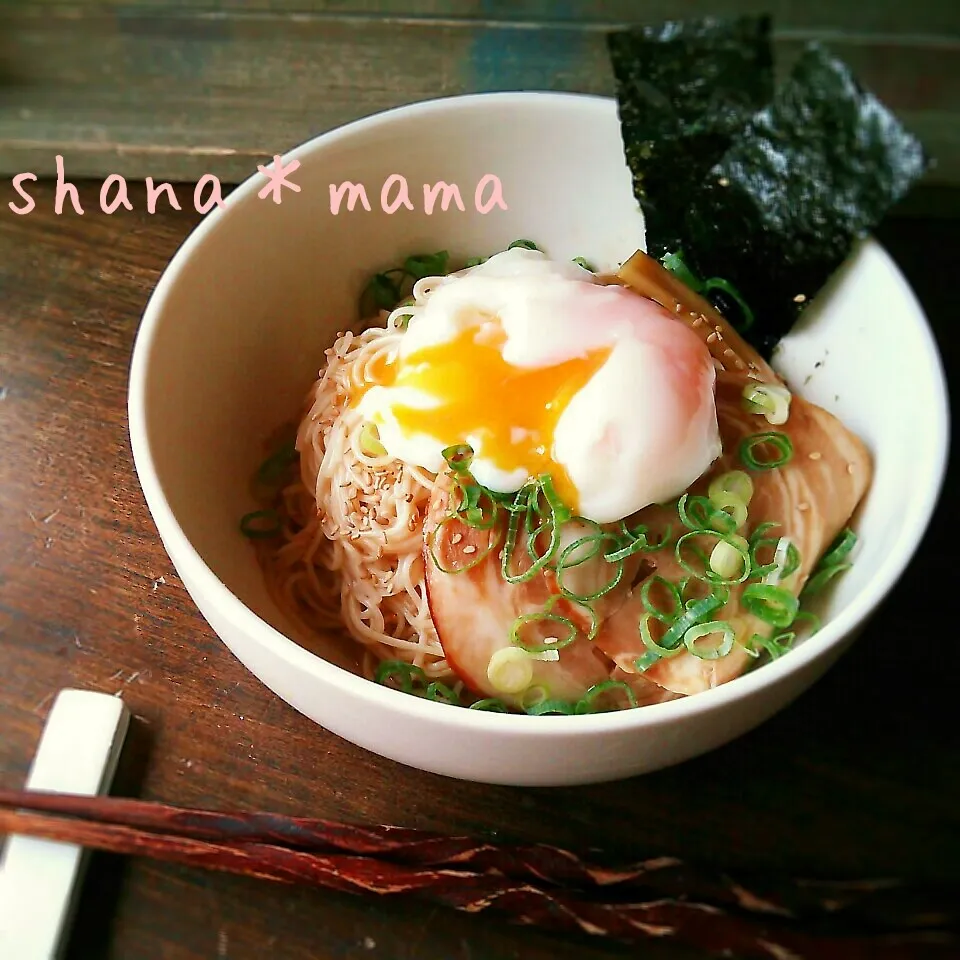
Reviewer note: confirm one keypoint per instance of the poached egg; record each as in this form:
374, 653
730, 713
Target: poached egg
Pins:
543, 370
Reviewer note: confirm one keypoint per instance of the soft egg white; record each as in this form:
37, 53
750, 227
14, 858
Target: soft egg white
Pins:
541, 369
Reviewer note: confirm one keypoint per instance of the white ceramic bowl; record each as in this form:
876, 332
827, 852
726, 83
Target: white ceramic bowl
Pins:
235, 333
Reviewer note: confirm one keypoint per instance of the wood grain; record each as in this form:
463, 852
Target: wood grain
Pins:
858, 777
173, 89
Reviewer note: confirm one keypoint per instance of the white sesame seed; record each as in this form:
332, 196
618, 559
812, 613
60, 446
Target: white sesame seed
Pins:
815, 455
470, 549
800, 298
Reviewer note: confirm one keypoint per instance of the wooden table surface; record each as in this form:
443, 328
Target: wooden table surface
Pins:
859, 777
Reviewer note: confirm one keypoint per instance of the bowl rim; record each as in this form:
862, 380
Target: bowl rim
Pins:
246, 621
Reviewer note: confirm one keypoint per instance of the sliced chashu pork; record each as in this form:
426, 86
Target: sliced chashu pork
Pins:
811, 498
475, 609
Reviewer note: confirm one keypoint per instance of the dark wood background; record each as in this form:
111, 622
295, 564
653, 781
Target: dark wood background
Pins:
179, 88
859, 777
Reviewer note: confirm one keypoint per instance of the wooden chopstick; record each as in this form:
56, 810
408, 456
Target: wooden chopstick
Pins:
543, 885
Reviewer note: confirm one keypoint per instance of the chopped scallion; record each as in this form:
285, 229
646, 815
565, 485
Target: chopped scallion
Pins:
442, 693
585, 704
771, 604
676, 604
772, 400
491, 704
370, 440
733, 506
730, 559
822, 577
459, 457
734, 482
561, 707
261, 524
720, 648
555, 643
400, 672
840, 549
779, 441
510, 670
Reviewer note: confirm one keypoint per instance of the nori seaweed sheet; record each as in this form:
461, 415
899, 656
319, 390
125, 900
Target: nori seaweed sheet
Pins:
811, 173
684, 90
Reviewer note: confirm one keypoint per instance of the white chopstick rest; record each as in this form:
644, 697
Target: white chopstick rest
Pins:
40, 879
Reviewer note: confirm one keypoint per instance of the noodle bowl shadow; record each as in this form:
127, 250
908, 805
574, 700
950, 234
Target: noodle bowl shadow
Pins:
235, 333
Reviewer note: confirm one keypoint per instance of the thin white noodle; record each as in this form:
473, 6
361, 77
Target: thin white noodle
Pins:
352, 551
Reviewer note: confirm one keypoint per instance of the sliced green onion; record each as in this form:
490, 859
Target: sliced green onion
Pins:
639, 535
735, 482
469, 509
382, 291
719, 649
695, 612
426, 265
562, 565
274, 468
561, 512
699, 513
510, 670
781, 560
628, 550
532, 696
730, 559
840, 549
645, 661
491, 704
707, 571
402, 672
442, 693
261, 524
585, 704
538, 562
475, 559
561, 707
772, 400
780, 441
459, 457
580, 262
758, 541
733, 506
370, 440
822, 577
556, 644
718, 283
524, 244
660, 649
808, 615
675, 264
770, 604
667, 616
776, 646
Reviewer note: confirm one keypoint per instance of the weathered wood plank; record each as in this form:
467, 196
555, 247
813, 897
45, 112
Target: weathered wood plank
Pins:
173, 93
927, 17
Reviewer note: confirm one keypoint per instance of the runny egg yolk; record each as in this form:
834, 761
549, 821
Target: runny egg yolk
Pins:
511, 411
